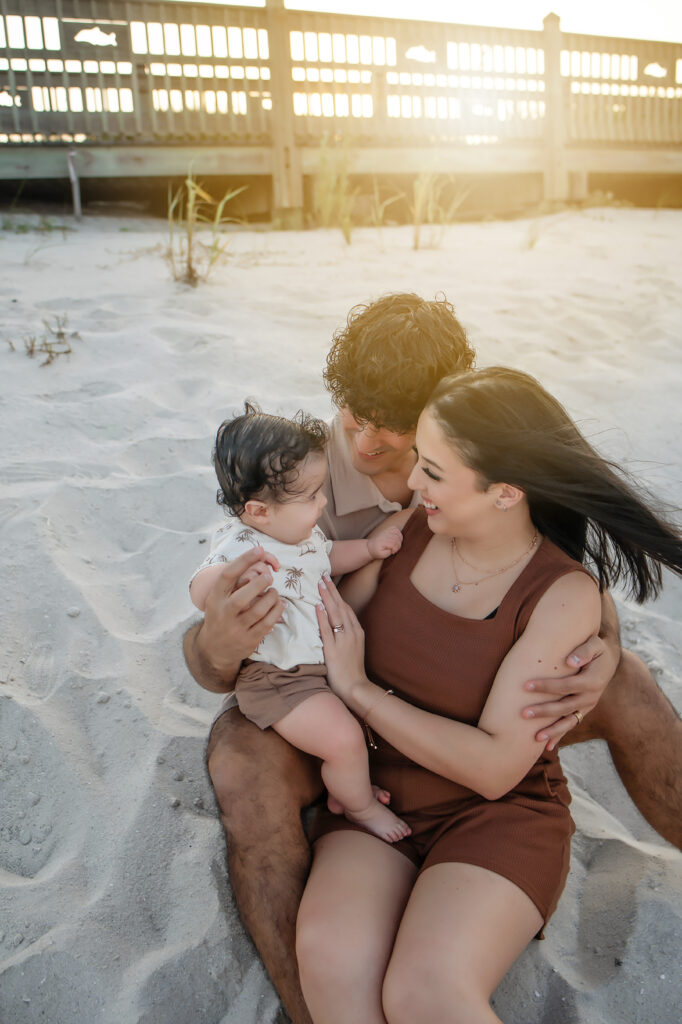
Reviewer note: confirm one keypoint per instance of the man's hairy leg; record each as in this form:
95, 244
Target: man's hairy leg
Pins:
261, 785
644, 734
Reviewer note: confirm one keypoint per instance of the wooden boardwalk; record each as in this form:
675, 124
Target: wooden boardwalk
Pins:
136, 88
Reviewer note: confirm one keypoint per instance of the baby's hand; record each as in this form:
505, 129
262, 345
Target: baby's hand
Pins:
385, 543
263, 567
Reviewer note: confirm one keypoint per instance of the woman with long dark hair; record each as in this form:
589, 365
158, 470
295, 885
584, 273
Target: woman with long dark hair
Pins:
498, 578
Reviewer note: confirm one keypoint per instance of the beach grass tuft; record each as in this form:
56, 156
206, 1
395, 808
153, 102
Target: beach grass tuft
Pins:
189, 210
436, 200
379, 204
43, 226
333, 197
53, 342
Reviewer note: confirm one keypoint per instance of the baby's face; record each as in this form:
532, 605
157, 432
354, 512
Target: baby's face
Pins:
292, 521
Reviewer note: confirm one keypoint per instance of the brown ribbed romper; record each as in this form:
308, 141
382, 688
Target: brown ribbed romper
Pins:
446, 664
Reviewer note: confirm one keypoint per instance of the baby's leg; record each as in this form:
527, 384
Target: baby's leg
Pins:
336, 807
323, 726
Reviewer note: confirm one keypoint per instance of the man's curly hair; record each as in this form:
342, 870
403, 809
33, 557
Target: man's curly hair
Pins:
257, 455
386, 361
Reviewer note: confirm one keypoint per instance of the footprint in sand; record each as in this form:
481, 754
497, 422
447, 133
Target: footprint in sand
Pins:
30, 815
43, 672
608, 908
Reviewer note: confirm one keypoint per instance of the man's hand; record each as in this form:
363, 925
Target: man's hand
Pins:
261, 568
385, 543
236, 619
593, 665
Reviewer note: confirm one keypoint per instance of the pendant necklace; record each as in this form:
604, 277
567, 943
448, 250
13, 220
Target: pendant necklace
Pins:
458, 584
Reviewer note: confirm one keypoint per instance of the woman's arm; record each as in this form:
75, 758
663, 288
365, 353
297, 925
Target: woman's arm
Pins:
490, 758
595, 663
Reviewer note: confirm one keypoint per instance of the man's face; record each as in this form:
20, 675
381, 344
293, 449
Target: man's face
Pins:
377, 450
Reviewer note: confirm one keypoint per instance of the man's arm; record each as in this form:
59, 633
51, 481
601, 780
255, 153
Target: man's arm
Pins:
235, 621
597, 660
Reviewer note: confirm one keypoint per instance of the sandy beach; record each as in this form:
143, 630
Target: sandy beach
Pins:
115, 906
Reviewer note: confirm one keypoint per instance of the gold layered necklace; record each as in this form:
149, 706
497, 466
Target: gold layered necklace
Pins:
458, 584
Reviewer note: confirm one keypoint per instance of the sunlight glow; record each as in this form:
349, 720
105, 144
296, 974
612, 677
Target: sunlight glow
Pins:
656, 19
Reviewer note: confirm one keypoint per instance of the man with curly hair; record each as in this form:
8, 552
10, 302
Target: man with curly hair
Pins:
381, 369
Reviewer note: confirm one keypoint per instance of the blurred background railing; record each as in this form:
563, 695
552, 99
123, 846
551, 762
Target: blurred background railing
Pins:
142, 88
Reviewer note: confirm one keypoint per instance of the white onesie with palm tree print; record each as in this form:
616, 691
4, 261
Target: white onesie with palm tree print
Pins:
296, 640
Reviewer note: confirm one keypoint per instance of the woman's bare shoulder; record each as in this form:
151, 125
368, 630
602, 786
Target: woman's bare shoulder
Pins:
572, 598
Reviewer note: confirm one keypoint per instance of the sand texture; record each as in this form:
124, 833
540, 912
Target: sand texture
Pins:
115, 904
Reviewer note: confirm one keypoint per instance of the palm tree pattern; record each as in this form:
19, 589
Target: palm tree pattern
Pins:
293, 579
246, 537
213, 560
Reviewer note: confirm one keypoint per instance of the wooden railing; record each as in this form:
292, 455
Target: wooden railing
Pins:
622, 90
132, 73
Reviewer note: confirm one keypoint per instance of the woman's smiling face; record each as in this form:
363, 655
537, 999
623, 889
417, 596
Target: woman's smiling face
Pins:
453, 494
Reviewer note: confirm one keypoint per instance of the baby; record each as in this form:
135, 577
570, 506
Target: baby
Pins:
271, 472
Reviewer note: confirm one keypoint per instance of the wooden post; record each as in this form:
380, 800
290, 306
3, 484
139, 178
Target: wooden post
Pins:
75, 184
579, 186
287, 176
556, 183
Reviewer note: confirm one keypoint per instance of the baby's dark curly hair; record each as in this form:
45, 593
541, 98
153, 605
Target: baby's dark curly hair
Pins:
386, 361
256, 455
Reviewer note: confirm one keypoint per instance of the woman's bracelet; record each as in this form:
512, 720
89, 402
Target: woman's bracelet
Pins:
370, 735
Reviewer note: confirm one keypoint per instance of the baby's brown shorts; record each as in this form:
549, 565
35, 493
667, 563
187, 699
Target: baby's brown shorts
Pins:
266, 693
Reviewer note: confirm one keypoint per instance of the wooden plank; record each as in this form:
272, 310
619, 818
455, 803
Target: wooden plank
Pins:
556, 179
49, 161
439, 159
33, 161
624, 160
287, 183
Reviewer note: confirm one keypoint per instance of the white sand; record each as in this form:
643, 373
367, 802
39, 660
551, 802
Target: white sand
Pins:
115, 906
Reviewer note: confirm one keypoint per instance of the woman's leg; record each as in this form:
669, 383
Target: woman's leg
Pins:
349, 914
462, 930
323, 726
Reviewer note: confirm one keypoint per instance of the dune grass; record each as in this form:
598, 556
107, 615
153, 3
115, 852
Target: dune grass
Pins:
436, 199
53, 342
333, 197
190, 209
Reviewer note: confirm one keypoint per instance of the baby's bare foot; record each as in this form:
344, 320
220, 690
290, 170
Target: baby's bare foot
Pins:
336, 807
381, 822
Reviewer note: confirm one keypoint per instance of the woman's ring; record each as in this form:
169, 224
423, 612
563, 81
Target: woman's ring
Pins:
578, 716
338, 629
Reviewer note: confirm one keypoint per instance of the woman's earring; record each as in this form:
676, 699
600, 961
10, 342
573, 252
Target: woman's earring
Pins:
500, 504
